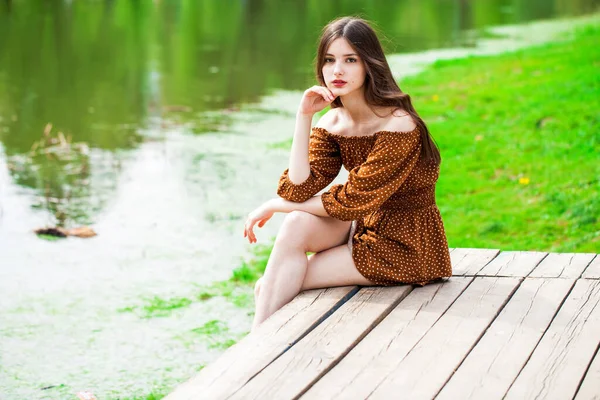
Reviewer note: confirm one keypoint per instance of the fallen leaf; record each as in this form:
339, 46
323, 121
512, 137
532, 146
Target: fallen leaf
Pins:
82, 232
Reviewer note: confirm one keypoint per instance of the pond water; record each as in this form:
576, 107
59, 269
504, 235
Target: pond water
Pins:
152, 123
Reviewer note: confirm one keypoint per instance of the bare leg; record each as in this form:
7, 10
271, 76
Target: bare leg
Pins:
333, 267
286, 268
257, 289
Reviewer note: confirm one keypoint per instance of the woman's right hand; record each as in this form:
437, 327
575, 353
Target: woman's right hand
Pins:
315, 99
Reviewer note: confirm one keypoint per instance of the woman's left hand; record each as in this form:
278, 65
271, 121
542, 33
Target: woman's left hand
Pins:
261, 215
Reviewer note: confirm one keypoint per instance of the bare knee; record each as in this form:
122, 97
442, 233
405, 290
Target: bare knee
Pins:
298, 219
257, 286
295, 228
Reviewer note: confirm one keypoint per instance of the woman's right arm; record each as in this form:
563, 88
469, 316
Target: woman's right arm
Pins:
299, 167
315, 157
314, 100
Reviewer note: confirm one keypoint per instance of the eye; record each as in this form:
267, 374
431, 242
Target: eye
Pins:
328, 59
351, 59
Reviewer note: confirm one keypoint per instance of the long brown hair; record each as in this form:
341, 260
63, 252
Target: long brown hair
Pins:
380, 87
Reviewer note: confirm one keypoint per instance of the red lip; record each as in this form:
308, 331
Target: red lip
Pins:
338, 83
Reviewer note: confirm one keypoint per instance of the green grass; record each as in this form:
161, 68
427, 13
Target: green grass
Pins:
519, 135
158, 307
216, 334
212, 327
156, 395
238, 289
49, 238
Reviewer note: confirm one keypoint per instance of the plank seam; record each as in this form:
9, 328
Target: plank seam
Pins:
491, 259
322, 318
587, 370
553, 366
477, 274
425, 333
542, 336
512, 293
587, 266
381, 317
483, 266
335, 307
533, 269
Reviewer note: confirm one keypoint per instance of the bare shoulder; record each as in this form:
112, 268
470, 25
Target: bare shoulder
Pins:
329, 120
400, 121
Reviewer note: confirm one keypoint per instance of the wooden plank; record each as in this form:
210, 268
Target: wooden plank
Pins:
593, 270
494, 363
467, 261
257, 350
427, 367
559, 361
297, 369
385, 346
590, 387
513, 263
562, 265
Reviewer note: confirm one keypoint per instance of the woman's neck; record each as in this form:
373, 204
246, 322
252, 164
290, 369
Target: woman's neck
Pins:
356, 110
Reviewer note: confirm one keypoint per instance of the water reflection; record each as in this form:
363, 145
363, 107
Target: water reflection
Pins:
102, 72
62, 171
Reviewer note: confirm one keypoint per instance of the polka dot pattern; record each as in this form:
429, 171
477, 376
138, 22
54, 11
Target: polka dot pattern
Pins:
398, 234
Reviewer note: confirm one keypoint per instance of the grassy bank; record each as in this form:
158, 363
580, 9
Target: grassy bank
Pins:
519, 136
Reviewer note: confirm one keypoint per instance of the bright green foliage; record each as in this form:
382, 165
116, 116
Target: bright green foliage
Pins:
519, 140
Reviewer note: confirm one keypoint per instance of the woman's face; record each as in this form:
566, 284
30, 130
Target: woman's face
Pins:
343, 70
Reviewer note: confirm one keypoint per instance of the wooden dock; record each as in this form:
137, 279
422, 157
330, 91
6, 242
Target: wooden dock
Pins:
510, 324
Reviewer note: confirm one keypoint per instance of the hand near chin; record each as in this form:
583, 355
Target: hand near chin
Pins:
315, 99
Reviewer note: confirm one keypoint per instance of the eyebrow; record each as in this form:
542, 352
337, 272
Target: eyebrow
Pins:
345, 55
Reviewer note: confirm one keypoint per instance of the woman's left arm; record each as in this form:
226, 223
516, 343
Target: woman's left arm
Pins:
314, 206
369, 185
262, 214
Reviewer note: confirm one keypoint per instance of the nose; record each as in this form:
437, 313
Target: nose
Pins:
337, 69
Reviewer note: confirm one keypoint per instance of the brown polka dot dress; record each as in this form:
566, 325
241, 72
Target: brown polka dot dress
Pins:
390, 194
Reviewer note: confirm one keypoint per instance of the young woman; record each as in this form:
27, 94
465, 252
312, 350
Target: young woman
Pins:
382, 227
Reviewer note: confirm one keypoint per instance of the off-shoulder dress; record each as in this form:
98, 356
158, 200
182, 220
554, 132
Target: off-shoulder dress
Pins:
398, 234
